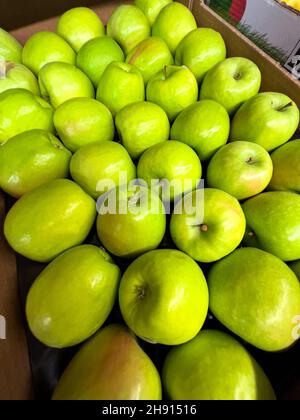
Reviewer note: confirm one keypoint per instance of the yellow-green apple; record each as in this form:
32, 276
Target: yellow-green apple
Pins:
96, 162
49, 220
173, 23
163, 297
241, 168
46, 47
150, 56
21, 110
193, 370
273, 223
208, 226
174, 88
100, 371
268, 119
286, 163
141, 125
72, 297
121, 84
31, 159
60, 82
96, 55
256, 296
81, 121
170, 167
10, 48
15, 75
129, 212
200, 51
204, 126
296, 268
151, 8
78, 25
128, 26
231, 83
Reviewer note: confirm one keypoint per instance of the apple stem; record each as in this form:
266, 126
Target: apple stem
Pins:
251, 234
204, 228
165, 72
285, 107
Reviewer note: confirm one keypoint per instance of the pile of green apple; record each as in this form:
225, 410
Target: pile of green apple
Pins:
153, 96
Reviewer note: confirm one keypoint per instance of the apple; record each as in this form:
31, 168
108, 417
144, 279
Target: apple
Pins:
286, 163
10, 48
141, 125
241, 168
273, 220
173, 23
170, 163
151, 8
174, 88
121, 84
129, 214
49, 220
21, 110
78, 25
15, 75
257, 297
72, 297
150, 56
31, 159
193, 371
268, 119
296, 268
46, 47
163, 297
231, 83
61, 81
204, 126
81, 121
211, 229
97, 162
96, 55
128, 26
100, 371
200, 50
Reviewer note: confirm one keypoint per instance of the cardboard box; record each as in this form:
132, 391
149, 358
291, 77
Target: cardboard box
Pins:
15, 371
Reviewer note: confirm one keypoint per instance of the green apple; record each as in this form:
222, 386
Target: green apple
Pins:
214, 367
72, 297
15, 75
231, 83
173, 23
10, 49
100, 371
121, 84
97, 162
200, 51
268, 119
31, 159
273, 221
296, 268
174, 88
131, 221
150, 56
242, 169
204, 126
46, 47
81, 121
128, 26
96, 55
163, 297
141, 125
151, 8
208, 226
286, 163
21, 110
49, 220
60, 82
172, 165
78, 25
257, 297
